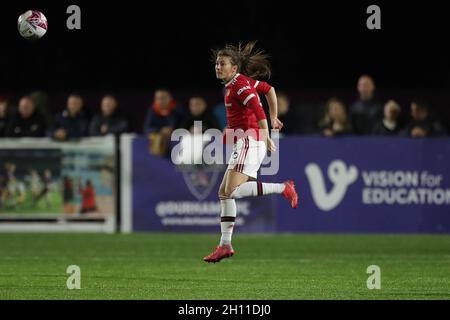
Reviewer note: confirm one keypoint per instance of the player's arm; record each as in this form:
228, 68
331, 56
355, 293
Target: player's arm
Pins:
268, 91
264, 130
271, 98
248, 96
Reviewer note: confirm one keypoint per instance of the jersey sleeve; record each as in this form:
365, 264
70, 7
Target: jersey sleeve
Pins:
262, 87
248, 96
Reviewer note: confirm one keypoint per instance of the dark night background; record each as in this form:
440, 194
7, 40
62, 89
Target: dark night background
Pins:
318, 49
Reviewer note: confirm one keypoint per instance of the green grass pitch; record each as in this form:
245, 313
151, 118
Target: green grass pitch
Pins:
54, 208
274, 266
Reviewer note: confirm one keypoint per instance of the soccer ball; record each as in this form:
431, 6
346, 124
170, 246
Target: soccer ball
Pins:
32, 25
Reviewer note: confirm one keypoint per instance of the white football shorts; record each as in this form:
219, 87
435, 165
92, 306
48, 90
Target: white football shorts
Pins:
248, 155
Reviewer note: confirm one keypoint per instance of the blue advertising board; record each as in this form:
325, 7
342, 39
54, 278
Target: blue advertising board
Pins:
351, 184
170, 198
368, 184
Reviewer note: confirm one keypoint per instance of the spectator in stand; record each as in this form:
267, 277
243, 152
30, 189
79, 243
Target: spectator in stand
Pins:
422, 123
73, 122
335, 122
4, 116
27, 122
198, 111
220, 112
192, 144
390, 125
40, 99
108, 121
367, 110
160, 121
161, 114
287, 115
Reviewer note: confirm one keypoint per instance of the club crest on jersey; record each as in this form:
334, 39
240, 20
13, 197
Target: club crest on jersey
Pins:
200, 181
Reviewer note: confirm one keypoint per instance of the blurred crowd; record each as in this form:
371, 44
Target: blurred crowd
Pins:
31, 119
367, 115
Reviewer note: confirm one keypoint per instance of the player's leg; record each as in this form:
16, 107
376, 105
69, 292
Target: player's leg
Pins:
227, 212
221, 192
230, 181
249, 165
257, 188
234, 181
227, 220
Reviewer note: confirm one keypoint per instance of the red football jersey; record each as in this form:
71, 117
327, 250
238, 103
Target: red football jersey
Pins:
242, 102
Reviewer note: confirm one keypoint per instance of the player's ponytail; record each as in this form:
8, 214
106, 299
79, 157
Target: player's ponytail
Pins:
253, 63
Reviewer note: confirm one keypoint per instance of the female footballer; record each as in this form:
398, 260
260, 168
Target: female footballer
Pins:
239, 68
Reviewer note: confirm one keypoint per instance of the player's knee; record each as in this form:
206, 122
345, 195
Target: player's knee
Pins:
229, 191
222, 194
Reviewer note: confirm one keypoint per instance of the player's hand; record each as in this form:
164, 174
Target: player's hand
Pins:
276, 123
271, 147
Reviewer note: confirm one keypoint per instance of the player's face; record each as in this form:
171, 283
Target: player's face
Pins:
225, 70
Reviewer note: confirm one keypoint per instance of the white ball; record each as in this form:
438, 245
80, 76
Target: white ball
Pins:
32, 24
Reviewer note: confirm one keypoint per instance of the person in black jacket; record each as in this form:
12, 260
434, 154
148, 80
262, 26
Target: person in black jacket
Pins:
108, 121
198, 111
367, 110
73, 122
422, 123
390, 125
27, 122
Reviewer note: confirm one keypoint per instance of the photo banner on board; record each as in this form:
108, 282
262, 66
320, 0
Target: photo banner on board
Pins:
46, 181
